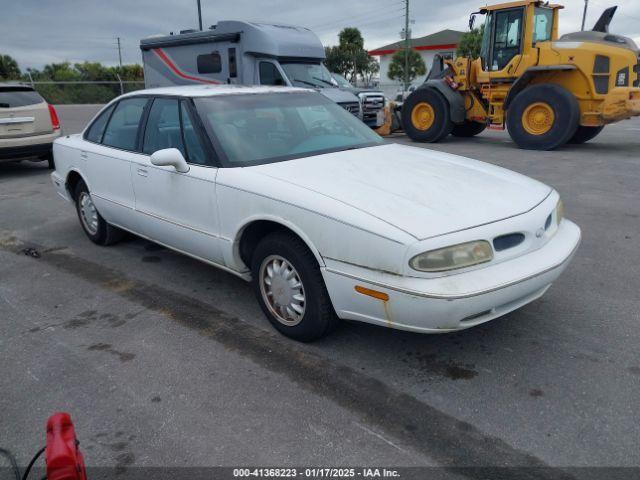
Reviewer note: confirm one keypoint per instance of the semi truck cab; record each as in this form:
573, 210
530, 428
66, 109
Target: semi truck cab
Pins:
244, 53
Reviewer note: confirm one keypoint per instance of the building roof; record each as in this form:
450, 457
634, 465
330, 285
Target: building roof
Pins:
444, 39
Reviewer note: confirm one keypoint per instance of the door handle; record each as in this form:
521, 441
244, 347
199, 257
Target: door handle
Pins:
142, 172
83, 154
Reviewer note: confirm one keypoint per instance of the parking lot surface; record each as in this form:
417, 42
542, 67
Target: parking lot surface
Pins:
165, 361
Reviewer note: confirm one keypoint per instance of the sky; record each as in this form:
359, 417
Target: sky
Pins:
46, 31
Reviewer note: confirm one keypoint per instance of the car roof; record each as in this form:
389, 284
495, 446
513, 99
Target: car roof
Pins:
215, 90
15, 86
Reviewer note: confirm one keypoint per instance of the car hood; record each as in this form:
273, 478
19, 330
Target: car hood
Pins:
422, 192
337, 95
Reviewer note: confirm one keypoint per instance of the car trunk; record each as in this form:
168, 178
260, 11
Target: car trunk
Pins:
23, 113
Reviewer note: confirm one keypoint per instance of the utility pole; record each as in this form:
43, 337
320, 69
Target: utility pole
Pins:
407, 42
584, 13
119, 53
199, 16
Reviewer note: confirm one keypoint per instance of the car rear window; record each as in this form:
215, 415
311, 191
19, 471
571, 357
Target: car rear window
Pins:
18, 97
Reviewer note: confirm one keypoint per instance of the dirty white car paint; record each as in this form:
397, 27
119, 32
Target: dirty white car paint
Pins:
364, 214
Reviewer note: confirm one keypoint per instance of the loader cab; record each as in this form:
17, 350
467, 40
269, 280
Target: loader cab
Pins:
511, 33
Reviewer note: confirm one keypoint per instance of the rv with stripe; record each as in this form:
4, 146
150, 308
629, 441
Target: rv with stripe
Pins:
243, 53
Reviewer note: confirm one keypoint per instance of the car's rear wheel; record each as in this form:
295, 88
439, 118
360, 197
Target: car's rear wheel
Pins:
290, 288
94, 226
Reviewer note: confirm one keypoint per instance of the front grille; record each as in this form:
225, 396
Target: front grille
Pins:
510, 240
351, 107
371, 105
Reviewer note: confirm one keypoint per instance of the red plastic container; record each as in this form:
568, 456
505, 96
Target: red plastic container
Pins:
62, 455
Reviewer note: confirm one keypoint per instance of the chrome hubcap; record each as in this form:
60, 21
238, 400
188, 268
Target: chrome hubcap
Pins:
88, 213
282, 290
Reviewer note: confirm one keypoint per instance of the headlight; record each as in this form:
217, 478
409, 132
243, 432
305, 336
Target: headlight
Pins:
450, 258
559, 212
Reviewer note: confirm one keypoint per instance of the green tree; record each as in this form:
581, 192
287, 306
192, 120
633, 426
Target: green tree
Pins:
417, 66
336, 60
470, 43
370, 69
85, 72
350, 39
94, 71
9, 69
349, 56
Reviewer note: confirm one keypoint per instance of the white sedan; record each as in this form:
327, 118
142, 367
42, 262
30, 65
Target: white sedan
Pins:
285, 189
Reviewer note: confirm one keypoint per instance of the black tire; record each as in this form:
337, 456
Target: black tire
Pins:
468, 129
104, 234
584, 134
441, 125
319, 317
566, 115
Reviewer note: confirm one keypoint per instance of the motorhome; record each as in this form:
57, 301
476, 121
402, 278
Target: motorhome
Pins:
244, 53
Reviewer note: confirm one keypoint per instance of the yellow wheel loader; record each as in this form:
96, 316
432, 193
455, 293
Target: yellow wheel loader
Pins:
546, 90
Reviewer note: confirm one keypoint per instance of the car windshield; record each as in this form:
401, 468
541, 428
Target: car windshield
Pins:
252, 129
307, 75
341, 81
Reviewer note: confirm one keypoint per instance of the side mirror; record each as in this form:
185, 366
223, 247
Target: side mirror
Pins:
170, 157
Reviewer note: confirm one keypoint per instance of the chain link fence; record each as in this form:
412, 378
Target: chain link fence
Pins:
84, 92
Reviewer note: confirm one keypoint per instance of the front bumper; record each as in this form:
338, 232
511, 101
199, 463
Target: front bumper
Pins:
17, 148
455, 302
18, 153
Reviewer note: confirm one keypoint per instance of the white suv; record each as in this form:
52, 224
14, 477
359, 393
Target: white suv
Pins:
28, 125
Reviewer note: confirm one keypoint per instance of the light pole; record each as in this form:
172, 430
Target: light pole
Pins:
407, 41
199, 16
584, 13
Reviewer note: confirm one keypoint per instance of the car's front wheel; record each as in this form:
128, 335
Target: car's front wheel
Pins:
96, 227
290, 288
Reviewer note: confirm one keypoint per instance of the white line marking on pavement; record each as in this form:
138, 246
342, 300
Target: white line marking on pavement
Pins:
371, 432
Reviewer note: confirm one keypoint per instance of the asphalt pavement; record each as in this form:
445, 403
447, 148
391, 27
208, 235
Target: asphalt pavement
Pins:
165, 361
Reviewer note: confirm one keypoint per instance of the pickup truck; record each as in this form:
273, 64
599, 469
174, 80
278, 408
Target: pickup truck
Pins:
371, 100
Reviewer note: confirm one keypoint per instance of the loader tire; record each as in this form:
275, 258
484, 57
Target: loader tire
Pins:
468, 129
584, 134
426, 116
543, 117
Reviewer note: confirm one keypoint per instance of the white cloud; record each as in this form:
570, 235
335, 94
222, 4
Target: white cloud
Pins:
44, 32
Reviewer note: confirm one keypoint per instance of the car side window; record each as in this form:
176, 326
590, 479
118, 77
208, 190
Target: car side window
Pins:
163, 127
122, 130
95, 131
269, 74
193, 146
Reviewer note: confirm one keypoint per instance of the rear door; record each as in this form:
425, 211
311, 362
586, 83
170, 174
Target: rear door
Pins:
23, 112
111, 144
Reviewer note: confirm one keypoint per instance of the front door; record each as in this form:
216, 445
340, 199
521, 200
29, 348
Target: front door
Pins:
502, 42
173, 208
